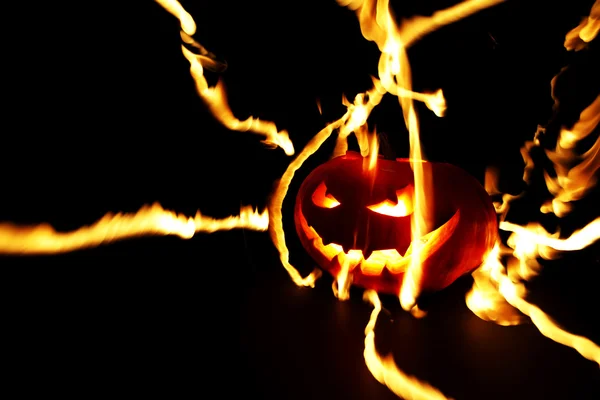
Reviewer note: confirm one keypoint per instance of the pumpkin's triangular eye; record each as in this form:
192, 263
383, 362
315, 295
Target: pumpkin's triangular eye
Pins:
402, 207
323, 199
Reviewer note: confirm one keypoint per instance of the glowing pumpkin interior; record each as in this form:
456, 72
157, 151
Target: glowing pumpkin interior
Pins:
345, 214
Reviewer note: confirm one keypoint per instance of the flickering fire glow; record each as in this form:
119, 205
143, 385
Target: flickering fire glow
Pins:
384, 368
148, 221
498, 293
215, 97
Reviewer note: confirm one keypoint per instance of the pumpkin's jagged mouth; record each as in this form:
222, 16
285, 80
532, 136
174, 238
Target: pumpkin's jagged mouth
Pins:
391, 259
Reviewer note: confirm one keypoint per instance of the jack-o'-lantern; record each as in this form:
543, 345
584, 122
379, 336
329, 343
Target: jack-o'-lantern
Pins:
346, 213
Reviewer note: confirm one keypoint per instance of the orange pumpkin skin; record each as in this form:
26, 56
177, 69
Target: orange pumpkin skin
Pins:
463, 226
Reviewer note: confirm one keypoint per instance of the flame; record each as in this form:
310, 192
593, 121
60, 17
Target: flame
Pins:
535, 234
484, 299
174, 7
373, 152
395, 79
149, 220
154, 220
493, 294
586, 31
319, 107
572, 183
378, 24
215, 97
384, 368
341, 286
353, 118
498, 293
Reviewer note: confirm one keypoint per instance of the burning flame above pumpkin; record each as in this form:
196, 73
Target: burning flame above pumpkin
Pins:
498, 293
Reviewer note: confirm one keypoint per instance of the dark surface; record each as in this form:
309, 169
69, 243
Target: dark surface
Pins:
101, 115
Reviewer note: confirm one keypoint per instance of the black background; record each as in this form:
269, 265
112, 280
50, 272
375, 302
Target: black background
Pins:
100, 114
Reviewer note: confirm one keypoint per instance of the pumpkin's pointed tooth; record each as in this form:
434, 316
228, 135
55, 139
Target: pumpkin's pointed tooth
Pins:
392, 196
352, 259
367, 253
340, 259
346, 249
325, 242
317, 242
408, 251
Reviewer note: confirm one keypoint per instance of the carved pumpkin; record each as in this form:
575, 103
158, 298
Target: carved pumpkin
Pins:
344, 213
